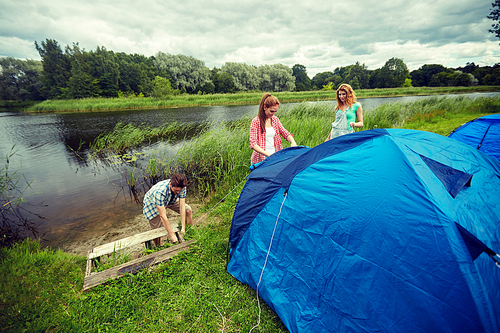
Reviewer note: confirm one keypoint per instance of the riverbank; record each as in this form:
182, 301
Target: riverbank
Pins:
242, 98
192, 292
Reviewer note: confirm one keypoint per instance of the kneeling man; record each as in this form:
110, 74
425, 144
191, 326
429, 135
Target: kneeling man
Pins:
167, 194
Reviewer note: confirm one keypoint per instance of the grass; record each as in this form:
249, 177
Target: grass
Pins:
434, 114
41, 288
126, 136
15, 217
37, 286
241, 98
117, 257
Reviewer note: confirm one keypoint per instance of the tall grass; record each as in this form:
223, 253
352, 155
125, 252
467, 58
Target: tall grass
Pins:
16, 219
126, 136
219, 156
426, 110
309, 123
241, 98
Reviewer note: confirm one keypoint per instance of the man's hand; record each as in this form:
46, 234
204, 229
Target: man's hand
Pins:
173, 237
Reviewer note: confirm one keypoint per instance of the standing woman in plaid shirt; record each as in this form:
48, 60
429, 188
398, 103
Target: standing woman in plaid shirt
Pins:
266, 130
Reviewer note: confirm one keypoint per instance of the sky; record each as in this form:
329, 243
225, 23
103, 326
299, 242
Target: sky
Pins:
320, 35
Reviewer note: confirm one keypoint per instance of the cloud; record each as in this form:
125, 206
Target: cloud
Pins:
320, 35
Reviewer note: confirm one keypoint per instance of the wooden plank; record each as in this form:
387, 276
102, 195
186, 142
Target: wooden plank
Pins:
129, 241
134, 266
88, 270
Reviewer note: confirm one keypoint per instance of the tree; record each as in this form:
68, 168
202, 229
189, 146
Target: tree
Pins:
358, 72
319, 80
442, 79
244, 76
335, 80
495, 16
56, 69
207, 88
354, 83
185, 72
378, 78
276, 78
395, 72
329, 86
407, 83
20, 79
136, 73
162, 87
105, 68
422, 76
302, 80
492, 79
81, 84
223, 83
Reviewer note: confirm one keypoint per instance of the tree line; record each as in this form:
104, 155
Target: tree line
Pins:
75, 73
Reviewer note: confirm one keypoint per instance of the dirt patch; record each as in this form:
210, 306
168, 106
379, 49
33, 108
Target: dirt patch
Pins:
133, 226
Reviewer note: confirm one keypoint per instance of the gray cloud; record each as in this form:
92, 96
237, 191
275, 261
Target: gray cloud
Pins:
320, 35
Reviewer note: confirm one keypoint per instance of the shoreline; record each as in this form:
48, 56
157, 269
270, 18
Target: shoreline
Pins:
133, 226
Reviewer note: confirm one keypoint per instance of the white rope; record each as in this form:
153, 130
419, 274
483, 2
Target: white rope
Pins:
220, 314
215, 205
265, 261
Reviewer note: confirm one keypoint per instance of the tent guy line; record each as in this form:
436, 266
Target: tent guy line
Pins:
265, 262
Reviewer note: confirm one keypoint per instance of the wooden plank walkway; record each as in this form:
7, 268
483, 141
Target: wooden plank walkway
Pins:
93, 279
127, 242
134, 265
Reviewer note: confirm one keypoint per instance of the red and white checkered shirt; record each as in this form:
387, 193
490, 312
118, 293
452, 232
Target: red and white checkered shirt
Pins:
257, 137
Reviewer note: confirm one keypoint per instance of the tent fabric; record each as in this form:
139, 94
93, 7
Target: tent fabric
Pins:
362, 234
451, 178
482, 133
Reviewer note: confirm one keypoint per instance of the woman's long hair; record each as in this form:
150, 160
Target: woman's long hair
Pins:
267, 101
350, 98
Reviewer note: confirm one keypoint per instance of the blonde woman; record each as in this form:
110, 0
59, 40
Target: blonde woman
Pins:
348, 112
266, 130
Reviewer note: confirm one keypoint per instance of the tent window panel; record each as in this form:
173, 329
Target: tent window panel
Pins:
453, 180
474, 245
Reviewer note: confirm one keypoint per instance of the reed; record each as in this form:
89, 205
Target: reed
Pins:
218, 158
126, 136
415, 114
309, 123
16, 218
240, 98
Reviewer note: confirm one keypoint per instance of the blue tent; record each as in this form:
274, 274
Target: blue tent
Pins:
376, 231
482, 133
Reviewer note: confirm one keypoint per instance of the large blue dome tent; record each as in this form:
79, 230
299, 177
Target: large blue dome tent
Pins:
482, 133
375, 231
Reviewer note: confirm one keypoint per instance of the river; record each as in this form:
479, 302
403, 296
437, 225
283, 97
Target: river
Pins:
73, 197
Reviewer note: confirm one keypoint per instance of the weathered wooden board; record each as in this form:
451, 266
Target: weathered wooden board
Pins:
129, 241
135, 265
